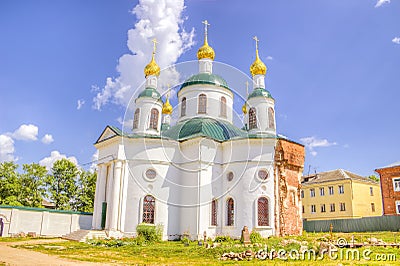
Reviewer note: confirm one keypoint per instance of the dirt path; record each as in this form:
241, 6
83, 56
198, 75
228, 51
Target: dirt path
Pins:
17, 256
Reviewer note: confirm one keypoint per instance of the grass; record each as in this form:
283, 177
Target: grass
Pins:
174, 252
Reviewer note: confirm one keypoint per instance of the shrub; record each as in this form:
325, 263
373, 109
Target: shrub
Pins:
150, 233
255, 237
223, 239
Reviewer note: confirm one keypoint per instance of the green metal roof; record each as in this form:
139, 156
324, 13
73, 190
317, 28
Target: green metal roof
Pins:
205, 78
260, 92
151, 93
204, 127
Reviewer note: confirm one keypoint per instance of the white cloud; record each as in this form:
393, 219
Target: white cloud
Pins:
80, 104
270, 58
6, 148
26, 132
162, 20
381, 2
312, 142
396, 40
47, 139
55, 156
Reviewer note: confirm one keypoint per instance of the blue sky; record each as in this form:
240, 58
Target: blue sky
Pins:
333, 69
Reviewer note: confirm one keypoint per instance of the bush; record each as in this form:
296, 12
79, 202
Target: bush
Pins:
149, 232
255, 237
223, 239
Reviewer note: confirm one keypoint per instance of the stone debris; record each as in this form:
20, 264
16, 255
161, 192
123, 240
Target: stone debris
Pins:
245, 255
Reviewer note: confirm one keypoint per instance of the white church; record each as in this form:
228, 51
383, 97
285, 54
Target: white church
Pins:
202, 174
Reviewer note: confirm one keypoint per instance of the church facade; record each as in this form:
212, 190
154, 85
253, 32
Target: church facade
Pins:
202, 175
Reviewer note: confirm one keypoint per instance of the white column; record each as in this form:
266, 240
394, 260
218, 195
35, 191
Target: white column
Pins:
99, 196
115, 196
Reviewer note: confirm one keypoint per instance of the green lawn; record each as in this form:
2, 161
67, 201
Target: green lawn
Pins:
174, 252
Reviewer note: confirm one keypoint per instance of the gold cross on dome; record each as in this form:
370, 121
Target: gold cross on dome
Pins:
154, 45
257, 40
206, 24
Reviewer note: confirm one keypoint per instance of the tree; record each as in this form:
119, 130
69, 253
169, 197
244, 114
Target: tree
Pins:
86, 190
61, 184
374, 177
10, 186
32, 185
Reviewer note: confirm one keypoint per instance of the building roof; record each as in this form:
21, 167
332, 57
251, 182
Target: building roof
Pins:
205, 78
390, 165
260, 92
334, 175
150, 93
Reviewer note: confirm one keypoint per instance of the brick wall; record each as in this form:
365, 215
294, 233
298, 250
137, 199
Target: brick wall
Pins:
289, 164
389, 196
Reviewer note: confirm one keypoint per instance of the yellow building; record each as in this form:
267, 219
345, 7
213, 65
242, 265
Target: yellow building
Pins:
339, 194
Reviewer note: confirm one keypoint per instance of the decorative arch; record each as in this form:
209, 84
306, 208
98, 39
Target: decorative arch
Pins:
149, 206
230, 208
183, 107
262, 211
223, 106
154, 118
252, 118
271, 120
202, 105
136, 118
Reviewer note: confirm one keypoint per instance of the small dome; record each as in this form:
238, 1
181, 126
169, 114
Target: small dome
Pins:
258, 67
260, 92
206, 51
244, 108
152, 68
167, 107
150, 93
205, 78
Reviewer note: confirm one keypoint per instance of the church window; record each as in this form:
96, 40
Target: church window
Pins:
202, 104
183, 106
154, 119
271, 121
149, 204
342, 206
263, 175
231, 212
223, 106
214, 212
136, 118
252, 118
151, 174
332, 207
229, 176
263, 211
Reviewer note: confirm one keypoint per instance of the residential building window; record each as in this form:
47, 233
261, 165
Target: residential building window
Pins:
271, 121
136, 118
341, 189
149, 204
183, 106
252, 118
371, 191
223, 106
342, 206
323, 209
231, 212
330, 190
154, 119
214, 212
398, 207
313, 209
373, 207
263, 211
321, 191
332, 207
312, 192
202, 104
302, 194
302, 209
396, 184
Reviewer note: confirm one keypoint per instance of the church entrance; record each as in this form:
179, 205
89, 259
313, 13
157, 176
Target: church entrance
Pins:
103, 215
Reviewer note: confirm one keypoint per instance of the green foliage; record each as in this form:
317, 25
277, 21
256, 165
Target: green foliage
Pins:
85, 192
32, 185
374, 177
255, 237
10, 186
221, 239
151, 233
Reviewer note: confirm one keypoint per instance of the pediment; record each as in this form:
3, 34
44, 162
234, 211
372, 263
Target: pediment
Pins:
108, 133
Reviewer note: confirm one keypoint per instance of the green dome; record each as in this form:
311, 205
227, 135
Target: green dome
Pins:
205, 78
260, 92
151, 93
204, 127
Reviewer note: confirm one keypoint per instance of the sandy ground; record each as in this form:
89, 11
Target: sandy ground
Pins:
18, 256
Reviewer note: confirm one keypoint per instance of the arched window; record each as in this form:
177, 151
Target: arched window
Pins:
271, 121
149, 204
252, 118
202, 109
214, 212
263, 212
154, 119
231, 212
223, 106
183, 106
136, 118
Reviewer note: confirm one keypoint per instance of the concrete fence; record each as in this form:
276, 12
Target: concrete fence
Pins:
42, 222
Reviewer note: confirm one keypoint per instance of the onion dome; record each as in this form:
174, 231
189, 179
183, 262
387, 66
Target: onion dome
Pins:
167, 107
205, 51
244, 108
152, 69
258, 67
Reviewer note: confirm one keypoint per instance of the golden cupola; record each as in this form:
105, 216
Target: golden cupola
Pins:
205, 51
258, 67
167, 107
152, 68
